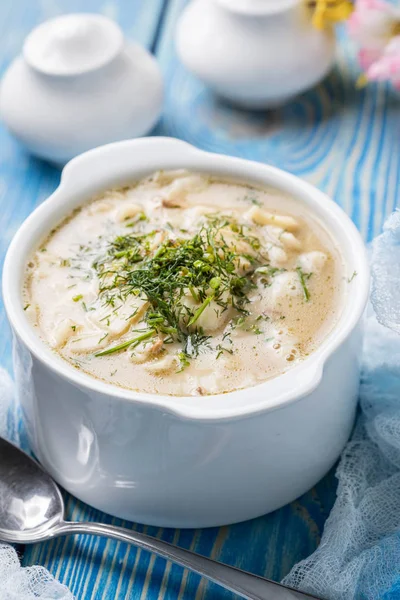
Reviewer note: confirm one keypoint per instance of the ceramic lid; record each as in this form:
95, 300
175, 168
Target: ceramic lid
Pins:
257, 7
73, 44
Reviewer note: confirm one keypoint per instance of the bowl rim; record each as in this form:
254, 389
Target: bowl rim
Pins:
269, 395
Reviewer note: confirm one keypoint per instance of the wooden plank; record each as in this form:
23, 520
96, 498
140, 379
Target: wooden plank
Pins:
266, 546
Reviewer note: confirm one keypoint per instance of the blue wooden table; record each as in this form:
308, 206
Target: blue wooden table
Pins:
343, 140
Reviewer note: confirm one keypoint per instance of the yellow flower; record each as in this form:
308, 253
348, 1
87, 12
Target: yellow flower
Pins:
327, 12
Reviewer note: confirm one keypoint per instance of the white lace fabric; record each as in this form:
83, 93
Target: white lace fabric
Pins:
359, 554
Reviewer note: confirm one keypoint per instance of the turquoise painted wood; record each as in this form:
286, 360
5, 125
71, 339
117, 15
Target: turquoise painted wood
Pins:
343, 140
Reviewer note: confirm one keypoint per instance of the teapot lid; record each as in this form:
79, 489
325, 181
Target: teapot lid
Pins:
73, 44
258, 7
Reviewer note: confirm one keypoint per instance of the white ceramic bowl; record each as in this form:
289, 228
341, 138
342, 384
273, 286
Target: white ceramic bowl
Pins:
255, 53
79, 84
185, 461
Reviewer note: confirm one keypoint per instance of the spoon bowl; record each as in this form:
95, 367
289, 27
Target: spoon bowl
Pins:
31, 504
32, 510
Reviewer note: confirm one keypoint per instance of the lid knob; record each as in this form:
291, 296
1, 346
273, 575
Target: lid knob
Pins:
258, 7
73, 44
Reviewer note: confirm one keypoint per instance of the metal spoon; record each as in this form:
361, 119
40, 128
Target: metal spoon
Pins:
32, 510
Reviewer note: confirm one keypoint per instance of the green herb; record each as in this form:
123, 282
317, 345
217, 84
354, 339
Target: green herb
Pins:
184, 361
106, 318
252, 200
134, 341
26, 306
204, 266
267, 273
221, 349
133, 314
239, 322
194, 293
73, 327
195, 343
215, 282
200, 310
140, 217
352, 277
77, 298
263, 317
303, 278
256, 330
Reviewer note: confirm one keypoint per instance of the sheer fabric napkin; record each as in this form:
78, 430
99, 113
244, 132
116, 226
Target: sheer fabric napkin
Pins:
359, 554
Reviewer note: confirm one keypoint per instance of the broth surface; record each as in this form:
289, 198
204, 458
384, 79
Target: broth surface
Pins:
186, 284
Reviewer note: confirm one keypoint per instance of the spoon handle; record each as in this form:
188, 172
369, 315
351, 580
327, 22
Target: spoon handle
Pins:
240, 582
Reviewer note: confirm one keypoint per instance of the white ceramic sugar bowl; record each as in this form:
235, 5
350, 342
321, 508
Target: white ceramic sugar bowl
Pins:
255, 53
78, 84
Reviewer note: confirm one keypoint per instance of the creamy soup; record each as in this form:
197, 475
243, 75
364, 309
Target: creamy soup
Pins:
186, 284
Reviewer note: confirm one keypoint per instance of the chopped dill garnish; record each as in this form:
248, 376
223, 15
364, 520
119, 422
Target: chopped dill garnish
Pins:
256, 329
352, 277
177, 277
195, 343
221, 349
133, 342
262, 317
183, 361
266, 274
200, 310
252, 199
303, 278
239, 322
181, 277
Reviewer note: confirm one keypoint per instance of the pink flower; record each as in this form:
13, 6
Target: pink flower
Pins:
387, 67
375, 26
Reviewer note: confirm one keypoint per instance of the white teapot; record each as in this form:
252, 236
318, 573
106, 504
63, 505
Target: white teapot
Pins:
78, 84
255, 53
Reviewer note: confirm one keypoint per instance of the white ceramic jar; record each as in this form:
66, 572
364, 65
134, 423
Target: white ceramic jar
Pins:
255, 53
78, 84
185, 461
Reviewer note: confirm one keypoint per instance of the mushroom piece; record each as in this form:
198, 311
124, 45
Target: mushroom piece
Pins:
128, 211
263, 217
61, 332
175, 195
164, 365
312, 262
290, 241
